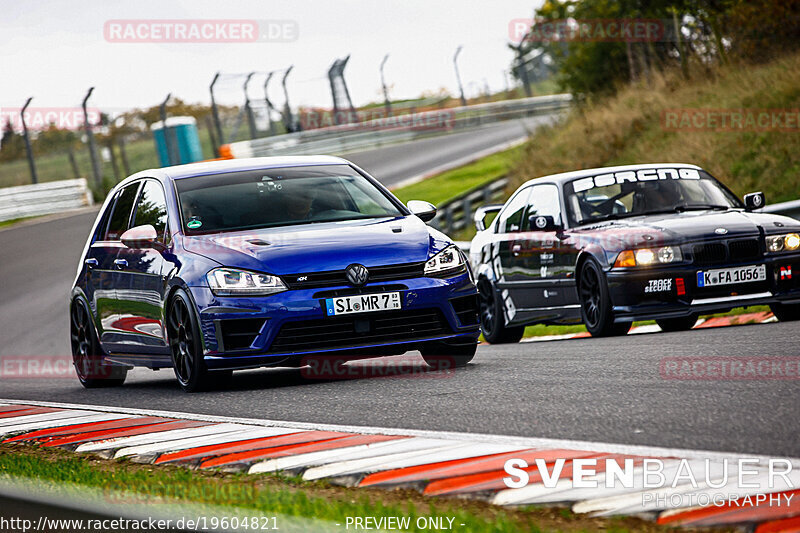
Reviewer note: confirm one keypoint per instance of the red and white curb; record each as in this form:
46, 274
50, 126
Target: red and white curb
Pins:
435, 463
703, 323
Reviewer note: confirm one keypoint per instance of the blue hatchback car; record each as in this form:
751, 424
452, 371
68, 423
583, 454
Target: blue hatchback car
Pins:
218, 266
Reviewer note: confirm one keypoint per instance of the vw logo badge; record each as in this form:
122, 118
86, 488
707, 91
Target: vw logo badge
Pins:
720, 231
357, 274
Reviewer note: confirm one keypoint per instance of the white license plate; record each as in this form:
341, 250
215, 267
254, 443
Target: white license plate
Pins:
363, 303
729, 276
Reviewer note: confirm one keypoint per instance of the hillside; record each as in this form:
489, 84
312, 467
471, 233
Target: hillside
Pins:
629, 128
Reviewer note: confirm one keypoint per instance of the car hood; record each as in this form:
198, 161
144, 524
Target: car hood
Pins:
690, 226
320, 247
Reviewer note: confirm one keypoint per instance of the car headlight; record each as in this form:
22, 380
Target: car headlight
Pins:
783, 243
649, 256
448, 261
233, 282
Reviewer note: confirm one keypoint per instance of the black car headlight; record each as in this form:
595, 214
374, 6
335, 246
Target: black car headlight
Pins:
649, 257
447, 262
234, 282
783, 243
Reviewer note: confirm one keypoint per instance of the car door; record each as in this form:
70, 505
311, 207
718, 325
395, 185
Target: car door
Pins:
104, 275
140, 278
547, 256
508, 258
99, 269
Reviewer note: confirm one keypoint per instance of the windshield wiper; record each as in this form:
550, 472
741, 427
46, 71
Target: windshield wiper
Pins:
665, 211
699, 207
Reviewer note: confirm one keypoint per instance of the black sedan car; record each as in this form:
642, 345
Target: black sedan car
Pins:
609, 246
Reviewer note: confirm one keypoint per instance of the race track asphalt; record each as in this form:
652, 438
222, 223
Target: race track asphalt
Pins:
608, 390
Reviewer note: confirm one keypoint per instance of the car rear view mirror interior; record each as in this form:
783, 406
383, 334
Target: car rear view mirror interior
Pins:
542, 223
141, 237
483, 212
426, 211
754, 200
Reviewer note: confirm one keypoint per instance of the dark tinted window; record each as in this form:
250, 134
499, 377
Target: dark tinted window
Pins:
152, 207
100, 231
280, 197
122, 212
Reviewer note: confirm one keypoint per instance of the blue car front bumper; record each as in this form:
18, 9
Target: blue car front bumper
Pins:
245, 332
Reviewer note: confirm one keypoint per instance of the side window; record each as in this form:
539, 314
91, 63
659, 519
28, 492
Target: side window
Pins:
152, 208
511, 217
100, 231
543, 201
122, 212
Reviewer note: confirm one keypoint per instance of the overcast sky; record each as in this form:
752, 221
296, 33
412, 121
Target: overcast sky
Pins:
55, 50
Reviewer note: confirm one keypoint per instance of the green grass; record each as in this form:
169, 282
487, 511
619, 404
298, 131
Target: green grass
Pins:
287, 497
13, 221
449, 184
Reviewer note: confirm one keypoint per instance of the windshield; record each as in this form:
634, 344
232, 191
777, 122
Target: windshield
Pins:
279, 197
642, 192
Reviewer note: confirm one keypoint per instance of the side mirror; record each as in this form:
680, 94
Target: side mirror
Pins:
141, 237
424, 210
480, 215
542, 223
754, 200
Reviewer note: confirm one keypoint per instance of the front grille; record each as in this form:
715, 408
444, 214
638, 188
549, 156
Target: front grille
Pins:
333, 278
354, 331
744, 250
709, 253
466, 309
239, 333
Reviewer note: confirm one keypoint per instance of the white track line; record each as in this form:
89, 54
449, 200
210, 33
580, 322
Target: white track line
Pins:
61, 422
370, 465
304, 460
24, 419
522, 442
147, 438
216, 435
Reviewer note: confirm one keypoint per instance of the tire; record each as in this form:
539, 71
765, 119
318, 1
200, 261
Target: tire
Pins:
596, 303
440, 356
491, 314
786, 313
87, 355
186, 347
683, 323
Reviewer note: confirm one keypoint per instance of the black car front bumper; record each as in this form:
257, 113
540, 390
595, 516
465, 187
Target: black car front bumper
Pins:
672, 292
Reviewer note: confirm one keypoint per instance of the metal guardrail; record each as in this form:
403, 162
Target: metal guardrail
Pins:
391, 130
456, 214
789, 209
43, 198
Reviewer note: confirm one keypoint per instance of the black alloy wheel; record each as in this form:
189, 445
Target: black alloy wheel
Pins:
87, 355
491, 314
596, 304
